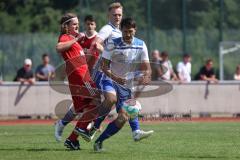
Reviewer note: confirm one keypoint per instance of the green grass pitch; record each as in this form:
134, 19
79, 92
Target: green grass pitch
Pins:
171, 141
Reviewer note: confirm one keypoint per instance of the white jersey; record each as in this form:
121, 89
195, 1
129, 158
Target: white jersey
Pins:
109, 32
125, 57
106, 34
184, 71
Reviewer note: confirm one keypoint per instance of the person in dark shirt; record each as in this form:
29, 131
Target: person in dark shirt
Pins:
207, 73
25, 74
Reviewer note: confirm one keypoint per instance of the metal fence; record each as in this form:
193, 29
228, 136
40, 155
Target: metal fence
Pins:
202, 44
175, 34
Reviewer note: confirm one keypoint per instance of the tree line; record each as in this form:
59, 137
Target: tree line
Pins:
30, 16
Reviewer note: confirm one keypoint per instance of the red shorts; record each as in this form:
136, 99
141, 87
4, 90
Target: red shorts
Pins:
83, 90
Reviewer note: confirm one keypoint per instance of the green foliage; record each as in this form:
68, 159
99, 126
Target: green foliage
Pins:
43, 16
203, 13
231, 15
31, 26
201, 44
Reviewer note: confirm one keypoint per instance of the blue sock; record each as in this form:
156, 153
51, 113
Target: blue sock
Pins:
108, 132
69, 116
98, 122
134, 124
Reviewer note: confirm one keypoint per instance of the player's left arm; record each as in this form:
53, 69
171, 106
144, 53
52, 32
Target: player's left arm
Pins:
147, 71
145, 66
64, 45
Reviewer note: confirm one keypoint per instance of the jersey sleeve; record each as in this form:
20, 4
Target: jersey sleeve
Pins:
144, 56
107, 54
108, 51
63, 38
105, 32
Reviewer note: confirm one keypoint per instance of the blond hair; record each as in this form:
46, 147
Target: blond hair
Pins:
65, 20
115, 5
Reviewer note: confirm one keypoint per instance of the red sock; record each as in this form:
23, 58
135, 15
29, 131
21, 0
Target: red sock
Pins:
73, 136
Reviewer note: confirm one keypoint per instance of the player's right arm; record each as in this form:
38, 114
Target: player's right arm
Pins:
102, 35
65, 44
105, 66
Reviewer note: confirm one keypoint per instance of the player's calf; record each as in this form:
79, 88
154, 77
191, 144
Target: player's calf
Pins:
121, 119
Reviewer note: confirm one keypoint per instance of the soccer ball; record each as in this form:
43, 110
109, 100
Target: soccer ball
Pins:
132, 107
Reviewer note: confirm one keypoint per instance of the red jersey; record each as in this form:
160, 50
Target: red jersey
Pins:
76, 65
75, 50
86, 43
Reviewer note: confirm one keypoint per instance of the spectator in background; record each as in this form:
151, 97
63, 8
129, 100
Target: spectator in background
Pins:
184, 69
25, 74
237, 73
155, 65
167, 71
45, 70
206, 73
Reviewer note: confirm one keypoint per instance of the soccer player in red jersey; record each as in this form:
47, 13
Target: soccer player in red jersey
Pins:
86, 42
80, 83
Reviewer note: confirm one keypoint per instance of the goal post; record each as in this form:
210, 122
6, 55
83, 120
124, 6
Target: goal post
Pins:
226, 47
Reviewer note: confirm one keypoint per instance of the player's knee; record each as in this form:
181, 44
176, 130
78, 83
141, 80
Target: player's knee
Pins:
111, 99
121, 120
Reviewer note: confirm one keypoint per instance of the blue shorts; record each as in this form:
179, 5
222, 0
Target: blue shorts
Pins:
106, 84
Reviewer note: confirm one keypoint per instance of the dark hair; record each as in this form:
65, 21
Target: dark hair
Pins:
45, 55
209, 61
164, 53
128, 23
186, 55
65, 20
89, 18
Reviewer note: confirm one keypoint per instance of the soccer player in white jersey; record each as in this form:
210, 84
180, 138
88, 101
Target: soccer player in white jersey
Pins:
117, 62
105, 36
